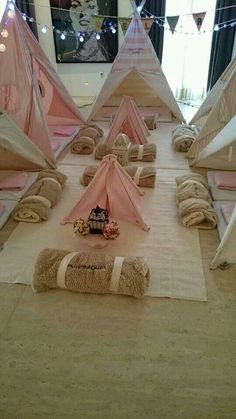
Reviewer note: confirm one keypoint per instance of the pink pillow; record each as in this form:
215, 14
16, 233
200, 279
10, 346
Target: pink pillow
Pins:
14, 181
64, 131
55, 144
225, 180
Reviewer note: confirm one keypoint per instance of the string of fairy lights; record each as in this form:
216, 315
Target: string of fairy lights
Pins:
106, 24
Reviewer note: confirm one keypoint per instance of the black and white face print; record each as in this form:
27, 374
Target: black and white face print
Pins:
81, 12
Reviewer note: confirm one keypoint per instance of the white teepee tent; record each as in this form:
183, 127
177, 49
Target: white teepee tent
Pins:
220, 153
221, 113
137, 72
226, 251
17, 152
202, 113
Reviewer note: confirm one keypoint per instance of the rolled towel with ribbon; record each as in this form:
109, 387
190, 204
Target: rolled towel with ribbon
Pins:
102, 150
32, 209
55, 174
197, 213
89, 132
46, 187
183, 137
142, 176
192, 189
191, 176
146, 152
151, 122
90, 273
83, 145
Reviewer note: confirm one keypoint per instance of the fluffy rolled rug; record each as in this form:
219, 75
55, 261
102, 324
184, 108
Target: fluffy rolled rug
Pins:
192, 189
191, 176
142, 176
151, 122
83, 145
183, 136
146, 152
102, 150
32, 209
197, 213
85, 130
89, 132
90, 273
48, 188
55, 174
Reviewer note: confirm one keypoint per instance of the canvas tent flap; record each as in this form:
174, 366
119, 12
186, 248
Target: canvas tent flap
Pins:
220, 153
112, 189
222, 112
16, 151
214, 94
137, 56
128, 114
226, 252
25, 76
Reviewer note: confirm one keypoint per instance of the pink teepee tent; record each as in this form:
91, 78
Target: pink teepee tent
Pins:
128, 120
30, 89
111, 189
137, 72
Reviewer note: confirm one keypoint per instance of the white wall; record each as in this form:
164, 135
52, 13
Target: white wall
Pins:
75, 76
234, 47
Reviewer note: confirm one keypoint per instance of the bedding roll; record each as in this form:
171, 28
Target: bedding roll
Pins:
48, 188
55, 174
89, 132
102, 150
90, 273
32, 209
191, 176
142, 176
183, 142
146, 152
192, 189
99, 130
197, 213
83, 145
151, 122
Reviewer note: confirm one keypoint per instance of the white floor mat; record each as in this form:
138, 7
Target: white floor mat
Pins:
172, 251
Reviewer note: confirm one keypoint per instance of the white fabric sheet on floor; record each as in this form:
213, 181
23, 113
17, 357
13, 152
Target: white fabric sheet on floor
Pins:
221, 223
172, 251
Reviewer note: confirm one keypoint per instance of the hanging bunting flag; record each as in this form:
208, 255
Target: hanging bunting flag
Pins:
147, 23
124, 23
98, 21
172, 20
199, 18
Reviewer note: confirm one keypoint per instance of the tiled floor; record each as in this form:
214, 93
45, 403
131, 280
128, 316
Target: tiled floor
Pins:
70, 356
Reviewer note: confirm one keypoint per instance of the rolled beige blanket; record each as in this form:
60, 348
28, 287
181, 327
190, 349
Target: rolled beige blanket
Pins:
83, 145
192, 189
46, 187
183, 136
197, 213
89, 132
32, 210
90, 273
151, 122
55, 174
102, 150
191, 176
146, 152
94, 126
142, 176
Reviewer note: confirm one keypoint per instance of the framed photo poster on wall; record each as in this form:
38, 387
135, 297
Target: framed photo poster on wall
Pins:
85, 30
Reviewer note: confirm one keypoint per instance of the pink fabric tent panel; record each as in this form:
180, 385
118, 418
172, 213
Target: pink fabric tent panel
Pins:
129, 118
14, 181
113, 189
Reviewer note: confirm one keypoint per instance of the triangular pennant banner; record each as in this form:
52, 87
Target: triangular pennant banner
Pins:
172, 20
124, 23
147, 23
98, 21
198, 18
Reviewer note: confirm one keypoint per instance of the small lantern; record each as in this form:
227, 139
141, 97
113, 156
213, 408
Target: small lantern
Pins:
120, 148
97, 220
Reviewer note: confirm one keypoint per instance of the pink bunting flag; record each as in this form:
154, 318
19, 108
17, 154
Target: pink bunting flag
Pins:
198, 19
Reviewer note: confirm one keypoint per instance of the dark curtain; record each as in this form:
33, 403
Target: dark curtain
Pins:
28, 9
222, 42
156, 8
